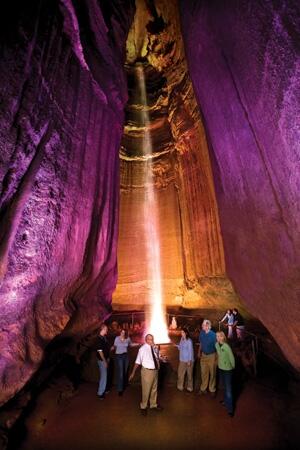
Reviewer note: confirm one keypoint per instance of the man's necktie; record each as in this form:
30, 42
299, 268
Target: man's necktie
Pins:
154, 358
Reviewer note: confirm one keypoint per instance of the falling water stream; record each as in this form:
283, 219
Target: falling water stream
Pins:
156, 317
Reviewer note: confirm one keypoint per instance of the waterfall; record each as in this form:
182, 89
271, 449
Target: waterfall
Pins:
155, 317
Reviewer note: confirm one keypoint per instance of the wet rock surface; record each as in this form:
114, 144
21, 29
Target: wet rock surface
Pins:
63, 94
243, 60
164, 145
63, 91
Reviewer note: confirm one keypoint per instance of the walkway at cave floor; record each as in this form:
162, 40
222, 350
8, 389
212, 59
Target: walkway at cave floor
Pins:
265, 418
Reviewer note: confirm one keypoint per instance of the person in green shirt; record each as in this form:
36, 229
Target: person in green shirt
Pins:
226, 364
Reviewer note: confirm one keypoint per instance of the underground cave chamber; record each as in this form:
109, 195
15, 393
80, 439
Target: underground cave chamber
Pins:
107, 105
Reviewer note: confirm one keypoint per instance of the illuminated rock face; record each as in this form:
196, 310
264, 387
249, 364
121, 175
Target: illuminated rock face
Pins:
63, 91
191, 246
244, 63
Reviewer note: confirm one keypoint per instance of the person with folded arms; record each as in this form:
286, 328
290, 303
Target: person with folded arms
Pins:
103, 359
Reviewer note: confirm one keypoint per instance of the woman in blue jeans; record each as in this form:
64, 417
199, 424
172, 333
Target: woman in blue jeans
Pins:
121, 344
226, 364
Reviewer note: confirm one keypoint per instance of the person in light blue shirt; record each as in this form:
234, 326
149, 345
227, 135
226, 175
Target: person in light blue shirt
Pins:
121, 344
208, 358
186, 361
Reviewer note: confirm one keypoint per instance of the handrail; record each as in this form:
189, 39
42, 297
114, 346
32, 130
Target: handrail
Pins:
254, 338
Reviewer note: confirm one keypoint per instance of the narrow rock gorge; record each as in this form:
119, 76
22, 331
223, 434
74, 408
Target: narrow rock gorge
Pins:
222, 107
192, 259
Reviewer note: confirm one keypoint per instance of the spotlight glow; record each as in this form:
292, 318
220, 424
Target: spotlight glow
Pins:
156, 320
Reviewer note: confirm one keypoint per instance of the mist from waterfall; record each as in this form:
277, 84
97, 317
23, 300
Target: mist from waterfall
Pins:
156, 316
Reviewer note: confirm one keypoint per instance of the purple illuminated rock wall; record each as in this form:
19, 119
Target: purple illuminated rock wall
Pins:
244, 62
62, 95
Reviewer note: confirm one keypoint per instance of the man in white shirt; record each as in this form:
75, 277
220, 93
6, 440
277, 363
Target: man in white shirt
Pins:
148, 359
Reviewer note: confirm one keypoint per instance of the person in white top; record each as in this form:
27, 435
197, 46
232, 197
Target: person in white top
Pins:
229, 321
148, 359
121, 345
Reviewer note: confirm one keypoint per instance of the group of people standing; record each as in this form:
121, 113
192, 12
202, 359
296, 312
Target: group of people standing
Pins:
120, 347
213, 352
235, 324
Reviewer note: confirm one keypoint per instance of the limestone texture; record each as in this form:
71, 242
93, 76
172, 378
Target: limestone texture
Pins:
63, 91
243, 58
162, 114
73, 178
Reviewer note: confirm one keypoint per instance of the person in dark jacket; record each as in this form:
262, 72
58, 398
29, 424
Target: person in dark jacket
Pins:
103, 350
238, 324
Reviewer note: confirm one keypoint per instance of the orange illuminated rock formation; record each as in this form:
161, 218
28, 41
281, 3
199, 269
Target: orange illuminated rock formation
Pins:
192, 259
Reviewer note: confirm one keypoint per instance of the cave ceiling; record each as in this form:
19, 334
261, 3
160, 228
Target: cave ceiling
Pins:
152, 53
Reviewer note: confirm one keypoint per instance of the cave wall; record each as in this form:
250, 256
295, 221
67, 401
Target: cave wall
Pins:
63, 91
243, 59
192, 265
133, 281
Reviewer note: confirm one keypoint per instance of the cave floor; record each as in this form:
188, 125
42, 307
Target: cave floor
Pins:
265, 418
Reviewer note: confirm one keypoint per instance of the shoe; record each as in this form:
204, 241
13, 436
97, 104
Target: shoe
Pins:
189, 391
230, 414
107, 392
202, 392
102, 396
180, 389
213, 394
157, 408
222, 402
120, 393
144, 412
